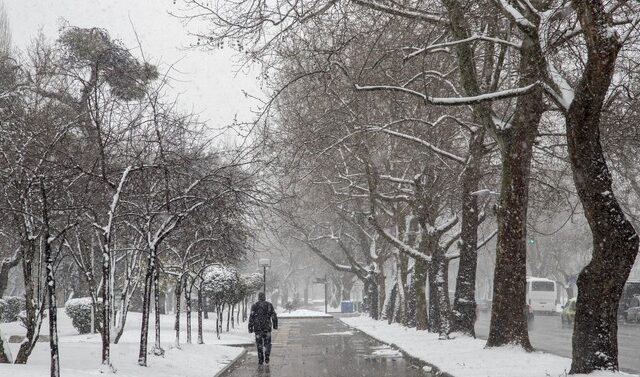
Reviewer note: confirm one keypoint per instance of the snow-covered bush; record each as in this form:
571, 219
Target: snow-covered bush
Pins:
220, 283
79, 310
10, 308
254, 282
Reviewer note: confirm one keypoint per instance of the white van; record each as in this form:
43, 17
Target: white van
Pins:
542, 294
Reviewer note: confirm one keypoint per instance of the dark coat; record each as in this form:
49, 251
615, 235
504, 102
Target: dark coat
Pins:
262, 317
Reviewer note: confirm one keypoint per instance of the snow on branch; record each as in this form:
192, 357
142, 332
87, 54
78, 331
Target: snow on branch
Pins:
403, 247
436, 47
515, 15
396, 9
397, 180
431, 147
444, 228
454, 101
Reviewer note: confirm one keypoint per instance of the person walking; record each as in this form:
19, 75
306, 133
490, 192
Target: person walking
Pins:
262, 317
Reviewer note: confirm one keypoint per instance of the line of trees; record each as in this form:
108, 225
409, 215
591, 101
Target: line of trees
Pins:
398, 122
108, 188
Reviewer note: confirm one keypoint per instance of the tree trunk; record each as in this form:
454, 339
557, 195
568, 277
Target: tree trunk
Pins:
440, 268
419, 284
508, 318
188, 308
440, 309
51, 287
615, 241
434, 313
31, 310
176, 327
5, 352
372, 295
5, 267
464, 304
200, 307
106, 304
306, 292
382, 291
391, 306
157, 348
146, 305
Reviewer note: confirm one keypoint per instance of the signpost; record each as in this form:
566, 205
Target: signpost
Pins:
323, 281
264, 263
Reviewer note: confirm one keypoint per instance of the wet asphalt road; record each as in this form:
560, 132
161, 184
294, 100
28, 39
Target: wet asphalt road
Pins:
548, 334
324, 347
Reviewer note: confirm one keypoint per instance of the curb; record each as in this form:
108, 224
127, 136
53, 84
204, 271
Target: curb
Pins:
231, 363
435, 371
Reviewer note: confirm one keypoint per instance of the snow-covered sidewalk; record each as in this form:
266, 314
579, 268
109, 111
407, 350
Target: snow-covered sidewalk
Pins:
465, 356
80, 354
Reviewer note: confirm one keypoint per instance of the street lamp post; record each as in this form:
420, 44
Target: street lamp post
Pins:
264, 263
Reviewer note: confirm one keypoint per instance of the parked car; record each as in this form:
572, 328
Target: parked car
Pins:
568, 313
632, 313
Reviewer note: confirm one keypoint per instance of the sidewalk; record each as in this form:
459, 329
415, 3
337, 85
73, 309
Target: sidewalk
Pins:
322, 347
465, 356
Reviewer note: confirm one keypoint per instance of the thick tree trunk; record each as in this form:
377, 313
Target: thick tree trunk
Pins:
464, 304
434, 315
615, 241
419, 285
440, 267
372, 295
508, 318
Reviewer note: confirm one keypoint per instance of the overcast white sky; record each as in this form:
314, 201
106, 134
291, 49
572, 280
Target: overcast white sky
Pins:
208, 83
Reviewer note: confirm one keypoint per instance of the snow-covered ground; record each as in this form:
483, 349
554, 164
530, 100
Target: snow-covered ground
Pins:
465, 356
80, 354
299, 313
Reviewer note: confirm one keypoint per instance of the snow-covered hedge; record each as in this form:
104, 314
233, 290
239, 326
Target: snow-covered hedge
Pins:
10, 308
79, 310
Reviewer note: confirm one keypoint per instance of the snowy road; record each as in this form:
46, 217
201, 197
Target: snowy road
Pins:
548, 334
324, 347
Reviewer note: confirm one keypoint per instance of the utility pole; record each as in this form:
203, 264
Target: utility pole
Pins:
323, 281
325, 293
